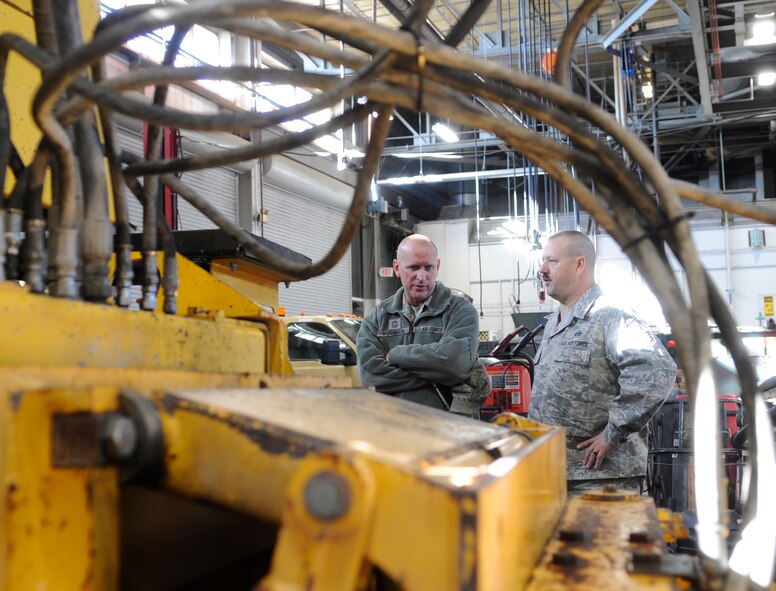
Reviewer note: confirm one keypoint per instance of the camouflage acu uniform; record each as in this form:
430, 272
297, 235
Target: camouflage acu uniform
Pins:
411, 356
601, 369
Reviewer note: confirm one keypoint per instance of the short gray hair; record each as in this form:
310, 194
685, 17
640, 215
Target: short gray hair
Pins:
578, 245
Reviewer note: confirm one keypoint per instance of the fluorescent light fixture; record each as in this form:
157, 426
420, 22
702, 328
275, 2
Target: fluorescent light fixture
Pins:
647, 91
349, 152
460, 176
763, 32
766, 78
509, 229
444, 132
764, 28
429, 155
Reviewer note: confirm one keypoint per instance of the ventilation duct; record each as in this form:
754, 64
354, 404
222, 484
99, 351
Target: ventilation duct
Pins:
291, 176
210, 143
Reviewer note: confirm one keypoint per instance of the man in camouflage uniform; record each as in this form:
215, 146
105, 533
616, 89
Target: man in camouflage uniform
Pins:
421, 344
600, 372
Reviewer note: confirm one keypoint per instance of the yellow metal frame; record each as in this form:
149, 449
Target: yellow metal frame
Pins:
484, 522
597, 542
203, 296
58, 527
46, 331
22, 80
433, 500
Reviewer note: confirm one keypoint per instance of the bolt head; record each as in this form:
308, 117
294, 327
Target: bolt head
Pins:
119, 438
327, 496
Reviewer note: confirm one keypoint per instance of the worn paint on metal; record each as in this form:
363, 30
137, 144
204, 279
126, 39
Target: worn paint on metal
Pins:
596, 542
90, 335
207, 296
59, 526
324, 554
485, 514
269, 437
36, 377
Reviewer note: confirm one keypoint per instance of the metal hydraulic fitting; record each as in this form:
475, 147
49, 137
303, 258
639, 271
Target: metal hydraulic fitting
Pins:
34, 255
65, 262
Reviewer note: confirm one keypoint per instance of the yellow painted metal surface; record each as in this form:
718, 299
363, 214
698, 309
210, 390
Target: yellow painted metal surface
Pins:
40, 330
250, 279
58, 526
486, 497
673, 526
596, 543
39, 377
330, 502
202, 294
531, 497
22, 80
435, 501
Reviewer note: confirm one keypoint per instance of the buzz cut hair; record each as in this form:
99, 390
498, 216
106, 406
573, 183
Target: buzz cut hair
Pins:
577, 244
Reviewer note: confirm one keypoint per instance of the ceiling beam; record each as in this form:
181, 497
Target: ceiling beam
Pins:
462, 176
694, 9
627, 21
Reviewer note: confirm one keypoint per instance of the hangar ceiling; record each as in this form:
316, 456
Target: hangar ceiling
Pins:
707, 115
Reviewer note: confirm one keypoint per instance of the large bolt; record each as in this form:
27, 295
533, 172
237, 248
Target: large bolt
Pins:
564, 559
119, 437
640, 537
327, 496
571, 535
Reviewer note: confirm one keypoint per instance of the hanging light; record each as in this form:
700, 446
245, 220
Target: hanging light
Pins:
444, 132
763, 30
647, 91
766, 79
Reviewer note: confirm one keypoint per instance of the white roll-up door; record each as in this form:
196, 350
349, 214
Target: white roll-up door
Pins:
311, 229
302, 224
133, 143
218, 185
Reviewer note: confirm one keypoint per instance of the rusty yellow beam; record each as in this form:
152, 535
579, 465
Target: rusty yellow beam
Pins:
58, 526
486, 519
46, 331
607, 540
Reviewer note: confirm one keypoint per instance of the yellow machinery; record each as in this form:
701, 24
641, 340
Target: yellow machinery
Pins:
144, 451
172, 447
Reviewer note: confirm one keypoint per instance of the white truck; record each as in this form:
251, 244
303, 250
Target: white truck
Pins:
324, 345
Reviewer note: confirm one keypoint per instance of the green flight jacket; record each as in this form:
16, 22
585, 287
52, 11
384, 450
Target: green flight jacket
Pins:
412, 358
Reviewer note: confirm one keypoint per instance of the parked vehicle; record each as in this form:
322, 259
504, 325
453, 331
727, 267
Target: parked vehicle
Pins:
324, 345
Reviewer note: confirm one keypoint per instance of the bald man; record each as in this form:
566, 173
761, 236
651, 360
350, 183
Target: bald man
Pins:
422, 343
600, 372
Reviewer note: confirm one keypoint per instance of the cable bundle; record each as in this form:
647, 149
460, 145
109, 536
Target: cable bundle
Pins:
390, 68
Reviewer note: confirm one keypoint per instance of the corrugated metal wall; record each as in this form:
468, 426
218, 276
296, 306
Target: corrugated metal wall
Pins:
311, 229
219, 185
294, 221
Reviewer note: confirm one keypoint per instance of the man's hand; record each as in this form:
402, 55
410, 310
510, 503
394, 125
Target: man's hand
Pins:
596, 449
